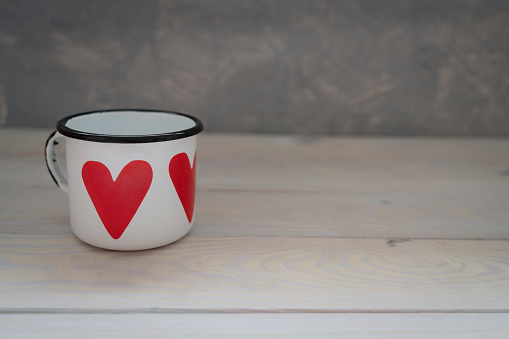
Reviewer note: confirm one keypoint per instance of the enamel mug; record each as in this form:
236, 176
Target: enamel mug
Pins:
130, 176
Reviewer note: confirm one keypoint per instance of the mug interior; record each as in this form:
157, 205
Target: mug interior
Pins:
129, 123
129, 126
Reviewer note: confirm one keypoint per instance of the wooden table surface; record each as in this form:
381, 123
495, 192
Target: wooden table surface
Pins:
294, 237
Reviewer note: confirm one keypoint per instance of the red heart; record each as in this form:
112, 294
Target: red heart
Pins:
117, 201
184, 180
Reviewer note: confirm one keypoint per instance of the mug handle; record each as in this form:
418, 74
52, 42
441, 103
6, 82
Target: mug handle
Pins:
53, 160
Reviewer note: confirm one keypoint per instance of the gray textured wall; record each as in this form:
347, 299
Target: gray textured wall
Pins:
418, 67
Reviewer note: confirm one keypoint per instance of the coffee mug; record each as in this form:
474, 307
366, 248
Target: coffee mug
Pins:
130, 176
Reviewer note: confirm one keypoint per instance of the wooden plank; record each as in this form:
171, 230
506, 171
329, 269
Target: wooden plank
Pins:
363, 165
458, 214
23, 141
25, 172
439, 213
256, 274
324, 164
343, 151
324, 326
34, 211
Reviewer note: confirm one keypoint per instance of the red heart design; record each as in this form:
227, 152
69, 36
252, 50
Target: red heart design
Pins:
117, 201
184, 180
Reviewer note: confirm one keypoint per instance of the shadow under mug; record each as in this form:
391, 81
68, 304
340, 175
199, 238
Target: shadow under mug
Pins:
130, 177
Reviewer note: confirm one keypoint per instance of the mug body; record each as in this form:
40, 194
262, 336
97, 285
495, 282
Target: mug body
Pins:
131, 177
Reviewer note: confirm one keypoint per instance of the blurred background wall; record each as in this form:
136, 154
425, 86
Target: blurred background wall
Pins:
352, 67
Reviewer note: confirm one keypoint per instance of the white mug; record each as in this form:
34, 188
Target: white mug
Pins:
130, 176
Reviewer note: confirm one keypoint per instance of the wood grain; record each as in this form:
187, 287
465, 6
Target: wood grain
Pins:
257, 273
324, 326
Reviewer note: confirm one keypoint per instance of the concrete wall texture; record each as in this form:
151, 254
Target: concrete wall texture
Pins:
352, 67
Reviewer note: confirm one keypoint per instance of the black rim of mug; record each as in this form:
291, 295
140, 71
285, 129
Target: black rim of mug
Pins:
107, 138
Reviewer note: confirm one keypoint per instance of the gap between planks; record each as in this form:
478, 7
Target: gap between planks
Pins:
242, 311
